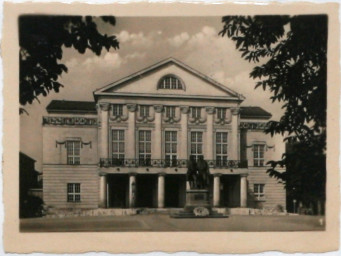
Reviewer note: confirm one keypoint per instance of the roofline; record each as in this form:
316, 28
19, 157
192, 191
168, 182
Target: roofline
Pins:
72, 111
165, 61
256, 117
169, 96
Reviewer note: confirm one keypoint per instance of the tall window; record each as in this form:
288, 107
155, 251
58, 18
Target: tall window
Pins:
221, 148
221, 113
118, 147
258, 191
196, 145
144, 111
258, 155
195, 112
170, 111
145, 148
73, 192
117, 110
170, 82
170, 148
73, 152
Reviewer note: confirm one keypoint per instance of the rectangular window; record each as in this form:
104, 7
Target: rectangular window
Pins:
221, 149
195, 112
73, 192
73, 152
170, 148
258, 155
117, 110
144, 111
118, 147
221, 113
145, 148
170, 111
196, 145
258, 191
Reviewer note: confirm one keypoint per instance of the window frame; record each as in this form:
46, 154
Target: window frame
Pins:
73, 193
196, 112
71, 157
144, 110
221, 113
145, 157
170, 111
259, 191
117, 109
120, 155
197, 144
172, 156
170, 82
221, 144
258, 160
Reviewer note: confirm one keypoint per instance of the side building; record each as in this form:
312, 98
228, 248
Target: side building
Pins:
129, 147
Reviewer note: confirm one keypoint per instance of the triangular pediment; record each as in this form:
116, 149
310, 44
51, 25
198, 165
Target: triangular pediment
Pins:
146, 81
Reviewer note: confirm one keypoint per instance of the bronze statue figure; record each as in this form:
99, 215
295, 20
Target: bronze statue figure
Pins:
197, 173
192, 172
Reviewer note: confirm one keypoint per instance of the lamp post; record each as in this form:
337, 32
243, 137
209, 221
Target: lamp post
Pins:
294, 201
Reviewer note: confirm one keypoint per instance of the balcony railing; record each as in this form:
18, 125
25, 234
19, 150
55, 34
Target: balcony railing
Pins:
164, 163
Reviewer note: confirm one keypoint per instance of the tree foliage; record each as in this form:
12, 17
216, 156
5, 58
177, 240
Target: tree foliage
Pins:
41, 41
291, 57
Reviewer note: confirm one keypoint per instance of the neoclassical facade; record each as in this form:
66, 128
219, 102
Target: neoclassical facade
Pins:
129, 147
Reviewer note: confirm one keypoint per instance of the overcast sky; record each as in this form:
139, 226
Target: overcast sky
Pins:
143, 42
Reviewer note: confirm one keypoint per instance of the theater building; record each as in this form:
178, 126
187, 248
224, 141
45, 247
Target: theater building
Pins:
129, 147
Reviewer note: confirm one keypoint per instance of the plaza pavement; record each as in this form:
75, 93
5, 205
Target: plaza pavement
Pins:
162, 222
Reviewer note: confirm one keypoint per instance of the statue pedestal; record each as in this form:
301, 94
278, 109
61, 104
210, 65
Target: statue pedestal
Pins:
198, 205
197, 198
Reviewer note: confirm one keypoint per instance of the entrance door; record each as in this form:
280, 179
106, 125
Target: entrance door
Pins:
230, 191
175, 189
118, 191
146, 188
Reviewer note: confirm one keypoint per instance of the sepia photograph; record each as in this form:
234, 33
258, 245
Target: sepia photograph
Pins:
143, 127
173, 123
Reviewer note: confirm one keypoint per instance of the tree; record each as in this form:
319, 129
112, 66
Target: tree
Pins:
291, 53
41, 41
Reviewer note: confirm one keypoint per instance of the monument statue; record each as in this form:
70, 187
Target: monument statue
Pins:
198, 203
197, 173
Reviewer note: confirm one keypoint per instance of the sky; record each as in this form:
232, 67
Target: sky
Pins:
143, 42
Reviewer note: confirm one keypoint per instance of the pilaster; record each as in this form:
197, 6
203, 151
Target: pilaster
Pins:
184, 132
209, 133
157, 139
234, 134
130, 145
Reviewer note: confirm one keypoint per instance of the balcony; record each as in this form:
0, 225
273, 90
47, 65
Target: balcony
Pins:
165, 163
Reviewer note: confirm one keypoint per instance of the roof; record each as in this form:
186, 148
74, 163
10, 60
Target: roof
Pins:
77, 107
254, 113
66, 106
103, 90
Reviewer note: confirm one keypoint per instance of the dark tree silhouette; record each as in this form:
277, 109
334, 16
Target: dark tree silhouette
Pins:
292, 55
41, 41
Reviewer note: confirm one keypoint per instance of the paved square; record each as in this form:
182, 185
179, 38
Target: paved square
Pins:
162, 222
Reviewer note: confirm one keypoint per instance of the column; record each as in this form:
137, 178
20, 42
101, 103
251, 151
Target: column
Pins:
104, 132
132, 190
234, 134
243, 190
102, 190
209, 133
130, 136
216, 190
161, 191
157, 139
184, 132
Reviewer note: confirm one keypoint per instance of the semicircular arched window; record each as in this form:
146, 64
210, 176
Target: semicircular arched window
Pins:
170, 82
